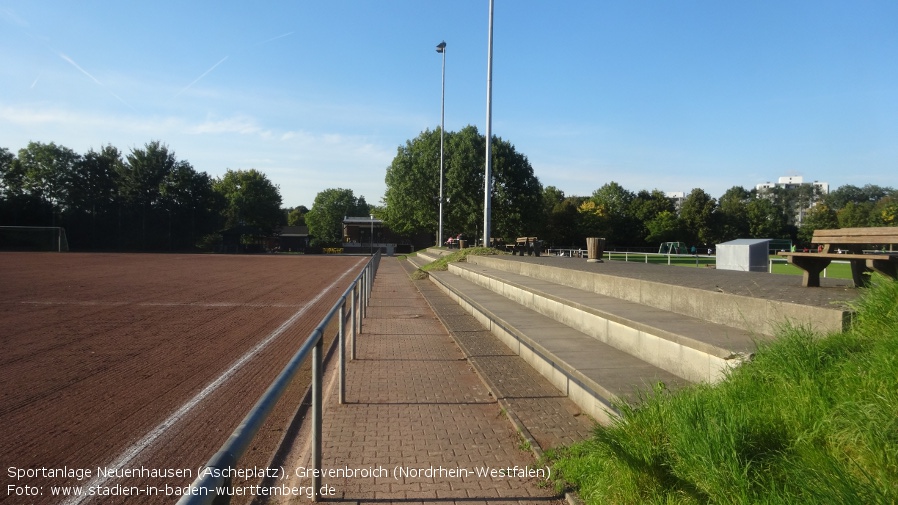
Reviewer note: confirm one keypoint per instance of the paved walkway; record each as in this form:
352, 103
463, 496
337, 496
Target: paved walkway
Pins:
537, 408
418, 413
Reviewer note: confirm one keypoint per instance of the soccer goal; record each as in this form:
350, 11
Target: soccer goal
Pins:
673, 248
33, 238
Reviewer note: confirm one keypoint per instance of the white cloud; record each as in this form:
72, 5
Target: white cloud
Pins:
243, 125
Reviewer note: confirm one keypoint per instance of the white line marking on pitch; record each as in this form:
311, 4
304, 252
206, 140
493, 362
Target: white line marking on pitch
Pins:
158, 304
131, 452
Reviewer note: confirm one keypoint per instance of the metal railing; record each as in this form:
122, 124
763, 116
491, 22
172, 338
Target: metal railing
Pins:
213, 475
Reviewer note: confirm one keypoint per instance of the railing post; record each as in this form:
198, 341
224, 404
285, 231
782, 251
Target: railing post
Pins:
362, 304
368, 290
353, 319
342, 333
317, 373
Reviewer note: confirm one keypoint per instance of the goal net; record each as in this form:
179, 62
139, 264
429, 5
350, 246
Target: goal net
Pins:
33, 238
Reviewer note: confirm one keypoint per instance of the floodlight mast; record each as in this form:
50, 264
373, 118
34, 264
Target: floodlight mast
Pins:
488, 170
441, 48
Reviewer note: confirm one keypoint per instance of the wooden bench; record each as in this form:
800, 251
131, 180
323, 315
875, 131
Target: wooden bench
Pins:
531, 245
848, 244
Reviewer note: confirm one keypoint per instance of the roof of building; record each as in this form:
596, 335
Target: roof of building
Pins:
745, 241
361, 220
294, 231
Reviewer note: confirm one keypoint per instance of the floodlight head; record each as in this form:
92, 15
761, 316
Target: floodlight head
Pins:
441, 46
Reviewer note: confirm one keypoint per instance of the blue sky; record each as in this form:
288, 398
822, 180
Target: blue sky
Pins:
668, 95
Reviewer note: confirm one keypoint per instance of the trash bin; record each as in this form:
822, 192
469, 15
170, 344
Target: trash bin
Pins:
595, 247
462, 244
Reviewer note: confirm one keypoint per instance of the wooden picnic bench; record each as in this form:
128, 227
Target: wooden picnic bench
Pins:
848, 244
530, 245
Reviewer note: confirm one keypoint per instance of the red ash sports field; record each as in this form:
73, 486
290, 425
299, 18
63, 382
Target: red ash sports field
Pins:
99, 350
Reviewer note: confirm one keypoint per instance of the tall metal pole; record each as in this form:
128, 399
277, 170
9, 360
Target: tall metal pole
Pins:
488, 175
441, 48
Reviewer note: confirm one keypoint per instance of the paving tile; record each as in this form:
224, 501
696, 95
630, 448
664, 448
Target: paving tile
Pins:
417, 408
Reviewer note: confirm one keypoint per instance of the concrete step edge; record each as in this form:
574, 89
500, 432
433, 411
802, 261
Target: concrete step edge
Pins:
692, 359
437, 252
746, 312
426, 256
589, 394
416, 261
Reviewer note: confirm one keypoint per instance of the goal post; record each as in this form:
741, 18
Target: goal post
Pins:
33, 238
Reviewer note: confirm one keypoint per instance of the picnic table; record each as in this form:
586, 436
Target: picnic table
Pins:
864, 248
530, 245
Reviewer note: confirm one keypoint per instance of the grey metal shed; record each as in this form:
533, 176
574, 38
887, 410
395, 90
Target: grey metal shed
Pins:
744, 255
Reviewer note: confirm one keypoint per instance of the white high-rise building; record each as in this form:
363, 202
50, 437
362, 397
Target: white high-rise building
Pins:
794, 181
801, 205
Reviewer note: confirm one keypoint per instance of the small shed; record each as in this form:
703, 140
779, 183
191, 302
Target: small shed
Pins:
293, 238
743, 255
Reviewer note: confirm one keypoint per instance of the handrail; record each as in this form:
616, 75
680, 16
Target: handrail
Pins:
203, 490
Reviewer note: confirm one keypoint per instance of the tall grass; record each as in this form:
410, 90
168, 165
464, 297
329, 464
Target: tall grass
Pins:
811, 419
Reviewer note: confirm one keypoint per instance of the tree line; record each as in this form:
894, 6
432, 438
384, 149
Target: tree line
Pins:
149, 200
647, 218
521, 206
144, 200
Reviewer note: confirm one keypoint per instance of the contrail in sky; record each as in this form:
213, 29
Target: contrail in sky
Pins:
204, 75
85, 72
275, 38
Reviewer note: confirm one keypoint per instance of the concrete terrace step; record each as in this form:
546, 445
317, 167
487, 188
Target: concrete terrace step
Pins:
429, 255
437, 252
757, 302
422, 258
591, 373
693, 349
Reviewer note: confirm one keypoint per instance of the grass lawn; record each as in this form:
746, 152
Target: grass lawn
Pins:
810, 419
835, 270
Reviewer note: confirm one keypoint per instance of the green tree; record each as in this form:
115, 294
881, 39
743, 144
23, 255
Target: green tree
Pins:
821, 217
464, 166
645, 208
250, 199
733, 214
325, 218
192, 206
885, 212
552, 196
697, 216
841, 196
17, 206
174, 204
664, 227
615, 202
94, 180
412, 180
297, 216
93, 195
140, 186
563, 225
595, 220
855, 215
766, 219
517, 199
46, 173
10, 182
